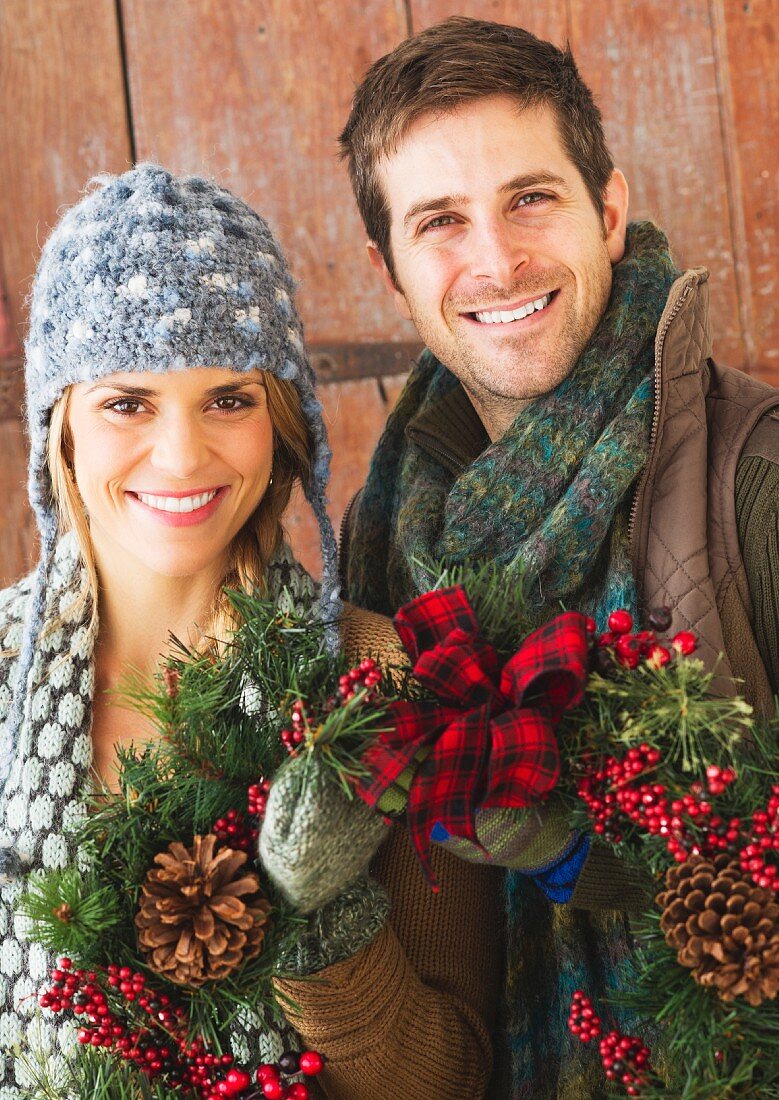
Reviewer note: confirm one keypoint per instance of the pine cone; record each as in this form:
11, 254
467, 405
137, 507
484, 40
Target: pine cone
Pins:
199, 918
724, 927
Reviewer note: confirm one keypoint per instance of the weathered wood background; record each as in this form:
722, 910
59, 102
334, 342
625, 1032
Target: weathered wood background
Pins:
254, 93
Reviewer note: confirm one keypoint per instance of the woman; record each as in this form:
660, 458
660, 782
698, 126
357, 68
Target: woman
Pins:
170, 410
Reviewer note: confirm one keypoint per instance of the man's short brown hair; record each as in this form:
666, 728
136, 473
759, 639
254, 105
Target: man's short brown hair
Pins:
446, 66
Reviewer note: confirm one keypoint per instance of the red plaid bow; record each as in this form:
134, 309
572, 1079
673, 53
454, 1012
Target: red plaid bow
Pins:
491, 730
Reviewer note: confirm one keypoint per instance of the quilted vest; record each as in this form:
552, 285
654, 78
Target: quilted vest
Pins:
684, 538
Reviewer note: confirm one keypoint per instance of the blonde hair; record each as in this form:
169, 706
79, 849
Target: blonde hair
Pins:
253, 546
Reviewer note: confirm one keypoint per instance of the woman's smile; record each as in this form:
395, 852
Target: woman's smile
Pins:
179, 509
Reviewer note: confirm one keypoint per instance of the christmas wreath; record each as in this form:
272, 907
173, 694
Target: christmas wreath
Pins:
168, 927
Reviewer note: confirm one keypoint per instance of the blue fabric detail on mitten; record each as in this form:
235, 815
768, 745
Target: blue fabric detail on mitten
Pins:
558, 879
439, 833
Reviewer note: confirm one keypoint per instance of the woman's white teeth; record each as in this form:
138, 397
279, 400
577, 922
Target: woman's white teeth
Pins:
178, 504
504, 315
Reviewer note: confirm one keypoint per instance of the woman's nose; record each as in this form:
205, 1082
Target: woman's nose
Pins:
179, 447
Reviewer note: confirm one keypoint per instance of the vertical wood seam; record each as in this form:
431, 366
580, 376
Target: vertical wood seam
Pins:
128, 103
409, 17
568, 24
735, 190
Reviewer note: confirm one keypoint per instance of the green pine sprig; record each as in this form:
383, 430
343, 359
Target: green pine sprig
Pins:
92, 1075
71, 912
496, 593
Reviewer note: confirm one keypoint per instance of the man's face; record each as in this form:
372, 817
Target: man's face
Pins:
502, 261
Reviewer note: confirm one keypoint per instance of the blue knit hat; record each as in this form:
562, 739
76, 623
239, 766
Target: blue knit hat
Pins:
153, 272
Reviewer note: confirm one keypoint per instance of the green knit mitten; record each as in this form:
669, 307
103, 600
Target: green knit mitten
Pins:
316, 840
538, 842
338, 930
523, 840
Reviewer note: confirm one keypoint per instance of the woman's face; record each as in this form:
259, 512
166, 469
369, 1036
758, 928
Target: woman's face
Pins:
170, 466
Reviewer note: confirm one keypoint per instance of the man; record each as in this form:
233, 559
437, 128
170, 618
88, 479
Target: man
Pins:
565, 414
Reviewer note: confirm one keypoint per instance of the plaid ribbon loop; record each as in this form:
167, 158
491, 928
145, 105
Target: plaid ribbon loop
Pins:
489, 732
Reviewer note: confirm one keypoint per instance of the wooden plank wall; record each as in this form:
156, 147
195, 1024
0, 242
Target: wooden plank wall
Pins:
254, 93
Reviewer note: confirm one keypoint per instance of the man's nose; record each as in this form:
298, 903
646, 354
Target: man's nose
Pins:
499, 252
179, 448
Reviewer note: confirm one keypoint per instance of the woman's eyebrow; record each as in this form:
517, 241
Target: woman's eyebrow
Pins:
233, 387
123, 387
146, 391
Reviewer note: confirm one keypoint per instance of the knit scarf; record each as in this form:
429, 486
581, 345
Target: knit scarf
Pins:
553, 494
548, 496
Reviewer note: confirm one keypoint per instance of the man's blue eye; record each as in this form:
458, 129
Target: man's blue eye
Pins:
532, 198
437, 223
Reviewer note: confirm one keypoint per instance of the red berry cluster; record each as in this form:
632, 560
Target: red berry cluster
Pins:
257, 798
363, 678
616, 799
760, 857
300, 724
233, 829
612, 794
625, 1059
583, 1021
271, 1075
159, 1046
630, 647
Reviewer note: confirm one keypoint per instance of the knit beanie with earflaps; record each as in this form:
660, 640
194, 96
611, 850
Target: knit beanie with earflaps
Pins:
153, 272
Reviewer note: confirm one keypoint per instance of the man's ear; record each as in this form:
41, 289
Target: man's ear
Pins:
378, 264
615, 214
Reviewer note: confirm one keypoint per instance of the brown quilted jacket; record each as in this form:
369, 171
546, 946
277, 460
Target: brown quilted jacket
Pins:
684, 536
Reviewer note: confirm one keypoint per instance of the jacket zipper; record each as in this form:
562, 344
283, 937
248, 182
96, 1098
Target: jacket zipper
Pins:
659, 346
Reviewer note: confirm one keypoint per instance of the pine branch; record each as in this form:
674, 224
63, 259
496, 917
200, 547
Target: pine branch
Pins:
496, 594
97, 1076
715, 1051
71, 912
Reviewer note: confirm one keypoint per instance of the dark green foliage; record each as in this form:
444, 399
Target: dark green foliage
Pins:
93, 911
715, 1050
496, 594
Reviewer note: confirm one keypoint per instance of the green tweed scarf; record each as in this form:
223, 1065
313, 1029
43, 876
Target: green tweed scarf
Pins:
550, 493
554, 493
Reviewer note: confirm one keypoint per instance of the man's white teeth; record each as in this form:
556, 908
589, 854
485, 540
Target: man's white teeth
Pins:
504, 315
177, 504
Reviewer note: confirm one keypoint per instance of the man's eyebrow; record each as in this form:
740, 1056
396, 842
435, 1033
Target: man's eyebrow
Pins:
518, 183
532, 179
145, 391
429, 206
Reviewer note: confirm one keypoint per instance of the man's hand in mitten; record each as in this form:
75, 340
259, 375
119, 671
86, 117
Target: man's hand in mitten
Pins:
567, 865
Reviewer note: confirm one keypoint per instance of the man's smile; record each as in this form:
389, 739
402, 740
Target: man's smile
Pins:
511, 312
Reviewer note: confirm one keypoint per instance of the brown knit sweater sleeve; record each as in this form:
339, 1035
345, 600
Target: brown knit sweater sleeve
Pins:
411, 1014
757, 513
